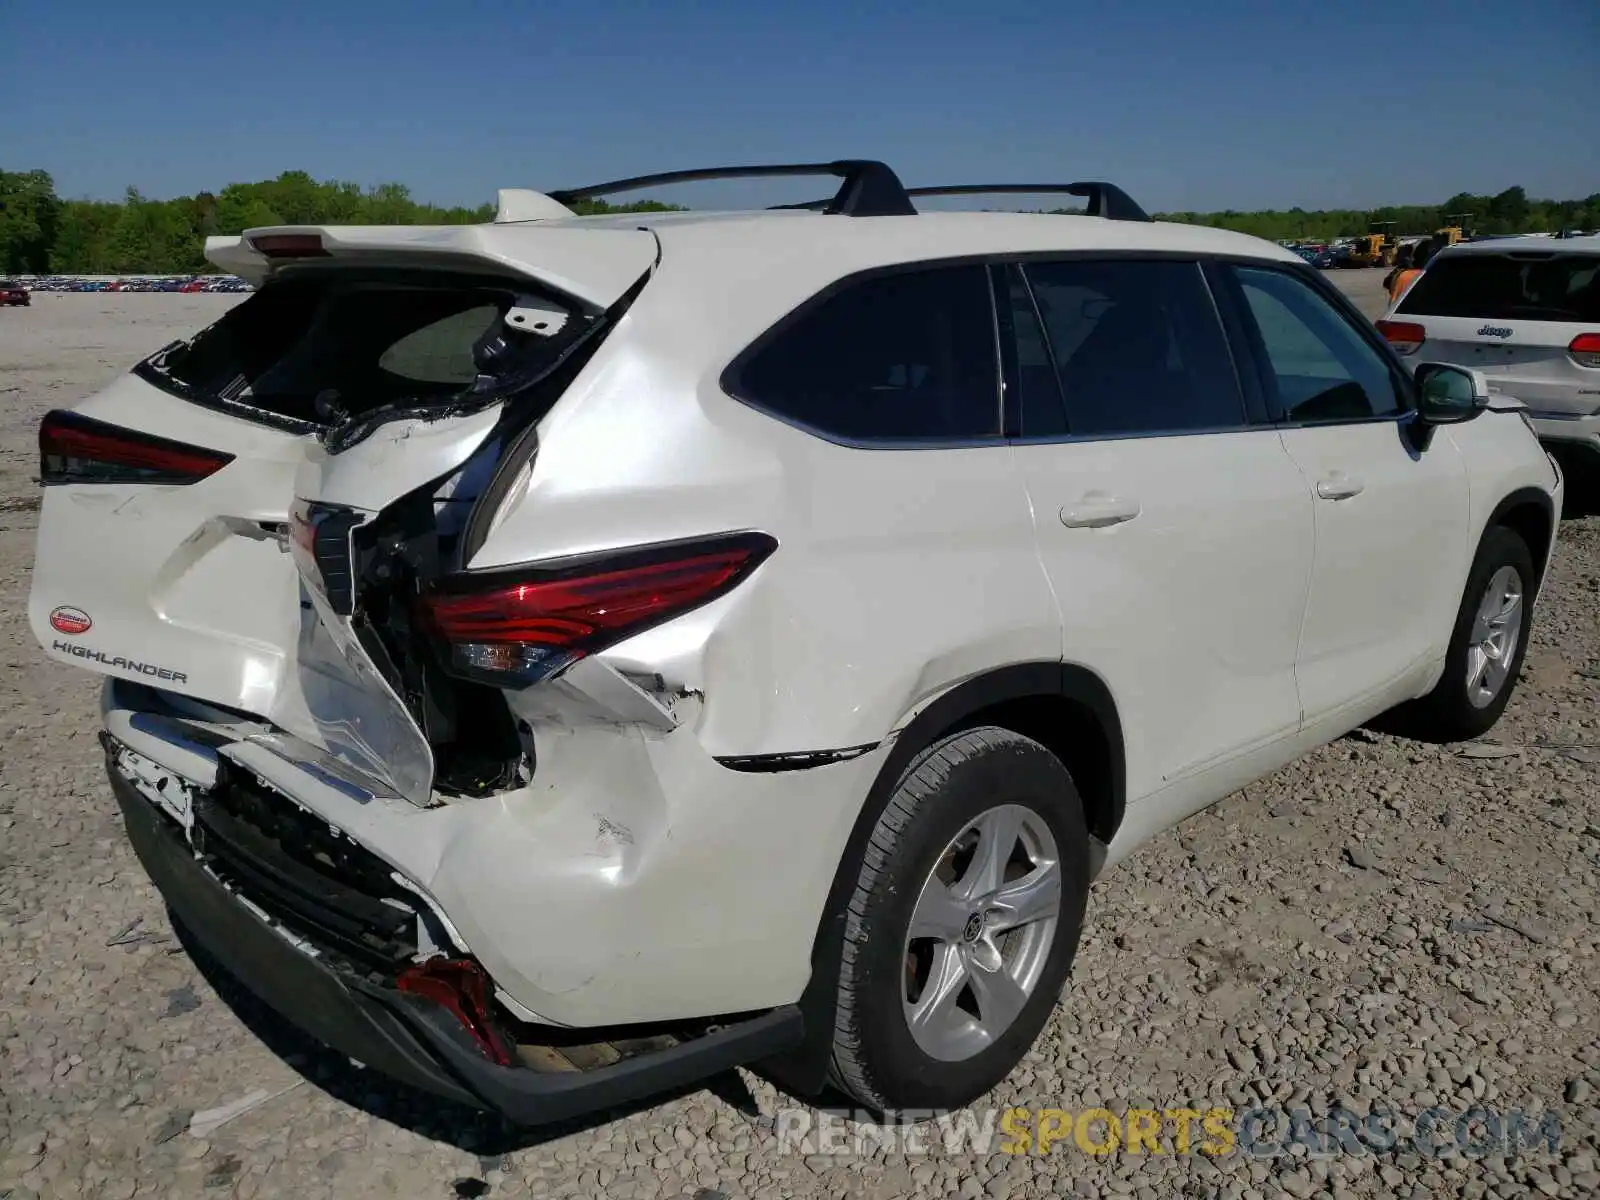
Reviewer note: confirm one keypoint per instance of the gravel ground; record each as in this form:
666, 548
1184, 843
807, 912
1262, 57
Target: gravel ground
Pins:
1383, 925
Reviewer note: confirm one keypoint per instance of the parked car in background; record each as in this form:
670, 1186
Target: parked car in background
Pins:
145, 283
13, 294
1527, 315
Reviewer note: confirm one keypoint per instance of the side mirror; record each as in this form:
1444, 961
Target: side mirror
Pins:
1448, 395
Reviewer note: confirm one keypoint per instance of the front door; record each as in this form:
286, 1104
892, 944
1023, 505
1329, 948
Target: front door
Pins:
1391, 519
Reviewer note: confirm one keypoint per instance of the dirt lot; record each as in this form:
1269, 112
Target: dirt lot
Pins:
1383, 926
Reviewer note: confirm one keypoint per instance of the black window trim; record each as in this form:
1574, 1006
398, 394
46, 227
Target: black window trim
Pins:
1237, 329
1004, 392
1256, 351
731, 378
1005, 351
1247, 412
1002, 275
1244, 350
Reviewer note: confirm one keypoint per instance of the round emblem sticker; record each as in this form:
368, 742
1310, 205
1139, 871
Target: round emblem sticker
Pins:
69, 620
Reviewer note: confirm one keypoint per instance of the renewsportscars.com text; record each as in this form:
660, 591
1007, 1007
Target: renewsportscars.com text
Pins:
1180, 1130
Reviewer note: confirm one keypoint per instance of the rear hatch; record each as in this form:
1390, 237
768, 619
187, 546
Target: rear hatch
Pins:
364, 373
1518, 316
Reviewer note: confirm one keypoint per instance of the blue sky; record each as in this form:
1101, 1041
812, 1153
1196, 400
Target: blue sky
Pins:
1234, 103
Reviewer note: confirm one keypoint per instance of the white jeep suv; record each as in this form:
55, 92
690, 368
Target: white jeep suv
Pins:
1526, 313
555, 660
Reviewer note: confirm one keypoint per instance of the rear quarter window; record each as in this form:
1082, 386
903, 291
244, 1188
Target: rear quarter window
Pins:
902, 357
1537, 287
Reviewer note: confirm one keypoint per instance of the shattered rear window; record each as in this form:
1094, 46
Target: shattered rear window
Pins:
324, 350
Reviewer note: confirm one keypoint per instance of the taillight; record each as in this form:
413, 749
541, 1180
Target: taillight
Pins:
1585, 349
290, 245
79, 449
461, 987
515, 628
1405, 336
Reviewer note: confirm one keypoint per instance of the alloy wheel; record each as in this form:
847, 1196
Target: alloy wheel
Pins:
981, 932
1496, 630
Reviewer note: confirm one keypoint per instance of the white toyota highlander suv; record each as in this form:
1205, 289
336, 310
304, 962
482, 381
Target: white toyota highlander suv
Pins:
555, 660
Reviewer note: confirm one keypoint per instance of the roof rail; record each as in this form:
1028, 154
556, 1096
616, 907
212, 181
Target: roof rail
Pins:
1104, 199
870, 188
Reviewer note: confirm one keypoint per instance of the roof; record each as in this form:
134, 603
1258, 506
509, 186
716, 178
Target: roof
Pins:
870, 221
1589, 244
877, 241
595, 259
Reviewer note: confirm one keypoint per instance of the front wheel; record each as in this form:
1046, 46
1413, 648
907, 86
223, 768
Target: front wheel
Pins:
1487, 645
963, 924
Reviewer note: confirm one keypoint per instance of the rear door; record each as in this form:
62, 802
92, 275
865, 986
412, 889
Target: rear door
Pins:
1177, 535
1391, 519
1514, 315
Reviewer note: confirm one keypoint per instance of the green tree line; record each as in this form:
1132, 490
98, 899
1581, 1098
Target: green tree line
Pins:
41, 233
1510, 211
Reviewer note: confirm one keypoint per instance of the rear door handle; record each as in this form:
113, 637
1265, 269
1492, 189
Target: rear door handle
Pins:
1338, 486
1095, 510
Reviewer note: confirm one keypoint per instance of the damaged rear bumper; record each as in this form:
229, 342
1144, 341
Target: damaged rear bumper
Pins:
407, 1037
634, 880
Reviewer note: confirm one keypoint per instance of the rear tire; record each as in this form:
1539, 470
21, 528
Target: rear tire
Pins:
1487, 645
983, 845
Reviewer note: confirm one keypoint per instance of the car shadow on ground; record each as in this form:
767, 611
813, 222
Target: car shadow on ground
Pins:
1581, 473
483, 1134
1582, 500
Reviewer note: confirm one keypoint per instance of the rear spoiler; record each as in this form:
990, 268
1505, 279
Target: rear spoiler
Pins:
593, 266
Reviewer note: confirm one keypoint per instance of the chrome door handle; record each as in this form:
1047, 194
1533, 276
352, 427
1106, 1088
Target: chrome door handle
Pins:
1095, 510
1339, 486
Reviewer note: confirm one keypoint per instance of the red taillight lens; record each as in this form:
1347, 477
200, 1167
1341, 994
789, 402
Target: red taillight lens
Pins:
1405, 336
78, 449
513, 630
460, 985
290, 245
1585, 349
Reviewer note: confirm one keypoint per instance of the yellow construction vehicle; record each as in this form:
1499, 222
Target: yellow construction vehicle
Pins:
1454, 232
1374, 249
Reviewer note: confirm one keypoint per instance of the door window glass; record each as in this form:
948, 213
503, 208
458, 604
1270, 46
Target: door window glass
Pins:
1137, 346
1319, 366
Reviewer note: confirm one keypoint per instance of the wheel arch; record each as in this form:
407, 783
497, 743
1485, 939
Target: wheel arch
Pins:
1066, 707
1529, 513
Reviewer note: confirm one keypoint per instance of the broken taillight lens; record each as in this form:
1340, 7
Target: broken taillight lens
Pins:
460, 985
516, 628
79, 449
